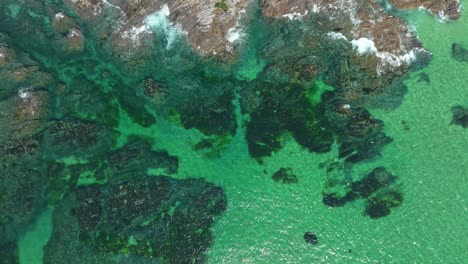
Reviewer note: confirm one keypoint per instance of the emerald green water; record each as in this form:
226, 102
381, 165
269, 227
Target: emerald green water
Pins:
265, 221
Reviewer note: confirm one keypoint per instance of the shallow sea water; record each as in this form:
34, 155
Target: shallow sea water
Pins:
265, 221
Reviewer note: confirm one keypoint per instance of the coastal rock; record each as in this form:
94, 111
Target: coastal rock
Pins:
444, 9
460, 116
209, 28
75, 137
21, 197
289, 9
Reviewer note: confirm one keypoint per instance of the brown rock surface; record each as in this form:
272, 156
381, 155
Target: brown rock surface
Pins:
448, 9
205, 25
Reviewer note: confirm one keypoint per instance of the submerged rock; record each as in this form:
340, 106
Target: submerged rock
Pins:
9, 253
379, 178
137, 156
285, 175
459, 53
378, 189
310, 238
380, 205
460, 116
74, 137
145, 219
21, 197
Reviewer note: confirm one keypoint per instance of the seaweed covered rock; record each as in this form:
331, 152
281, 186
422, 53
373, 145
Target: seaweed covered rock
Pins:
9, 253
286, 108
212, 147
374, 181
134, 158
213, 117
360, 135
21, 197
460, 116
380, 205
378, 189
144, 220
138, 156
459, 52
74, 137
284, 175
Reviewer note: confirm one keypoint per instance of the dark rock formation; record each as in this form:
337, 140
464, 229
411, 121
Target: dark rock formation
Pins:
9, 253
380, 205
137, 156
21, 197
460, 116
310, 238
459, 53
379, 178
286, 108
285, 176
145, 219
75, 137
211, 117
378, 189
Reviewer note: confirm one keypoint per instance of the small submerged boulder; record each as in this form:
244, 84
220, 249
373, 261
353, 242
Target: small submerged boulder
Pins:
459, 53
284, 175
310, 238
460, 116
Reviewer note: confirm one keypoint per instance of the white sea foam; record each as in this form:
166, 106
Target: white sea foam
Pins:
336, 35
364, 46
315, 8
73, 33
236, 33
24, 93
159, 22
296, 15
59, 16
442, 17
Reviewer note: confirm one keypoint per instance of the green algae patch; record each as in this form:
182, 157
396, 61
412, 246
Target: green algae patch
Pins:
222, 5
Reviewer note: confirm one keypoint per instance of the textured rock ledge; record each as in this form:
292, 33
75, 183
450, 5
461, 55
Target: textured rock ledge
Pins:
211, 29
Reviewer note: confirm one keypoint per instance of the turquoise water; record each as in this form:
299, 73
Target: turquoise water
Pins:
265, 221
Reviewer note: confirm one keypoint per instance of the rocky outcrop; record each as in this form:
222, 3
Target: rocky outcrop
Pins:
444, 9
209, 28
23, 106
